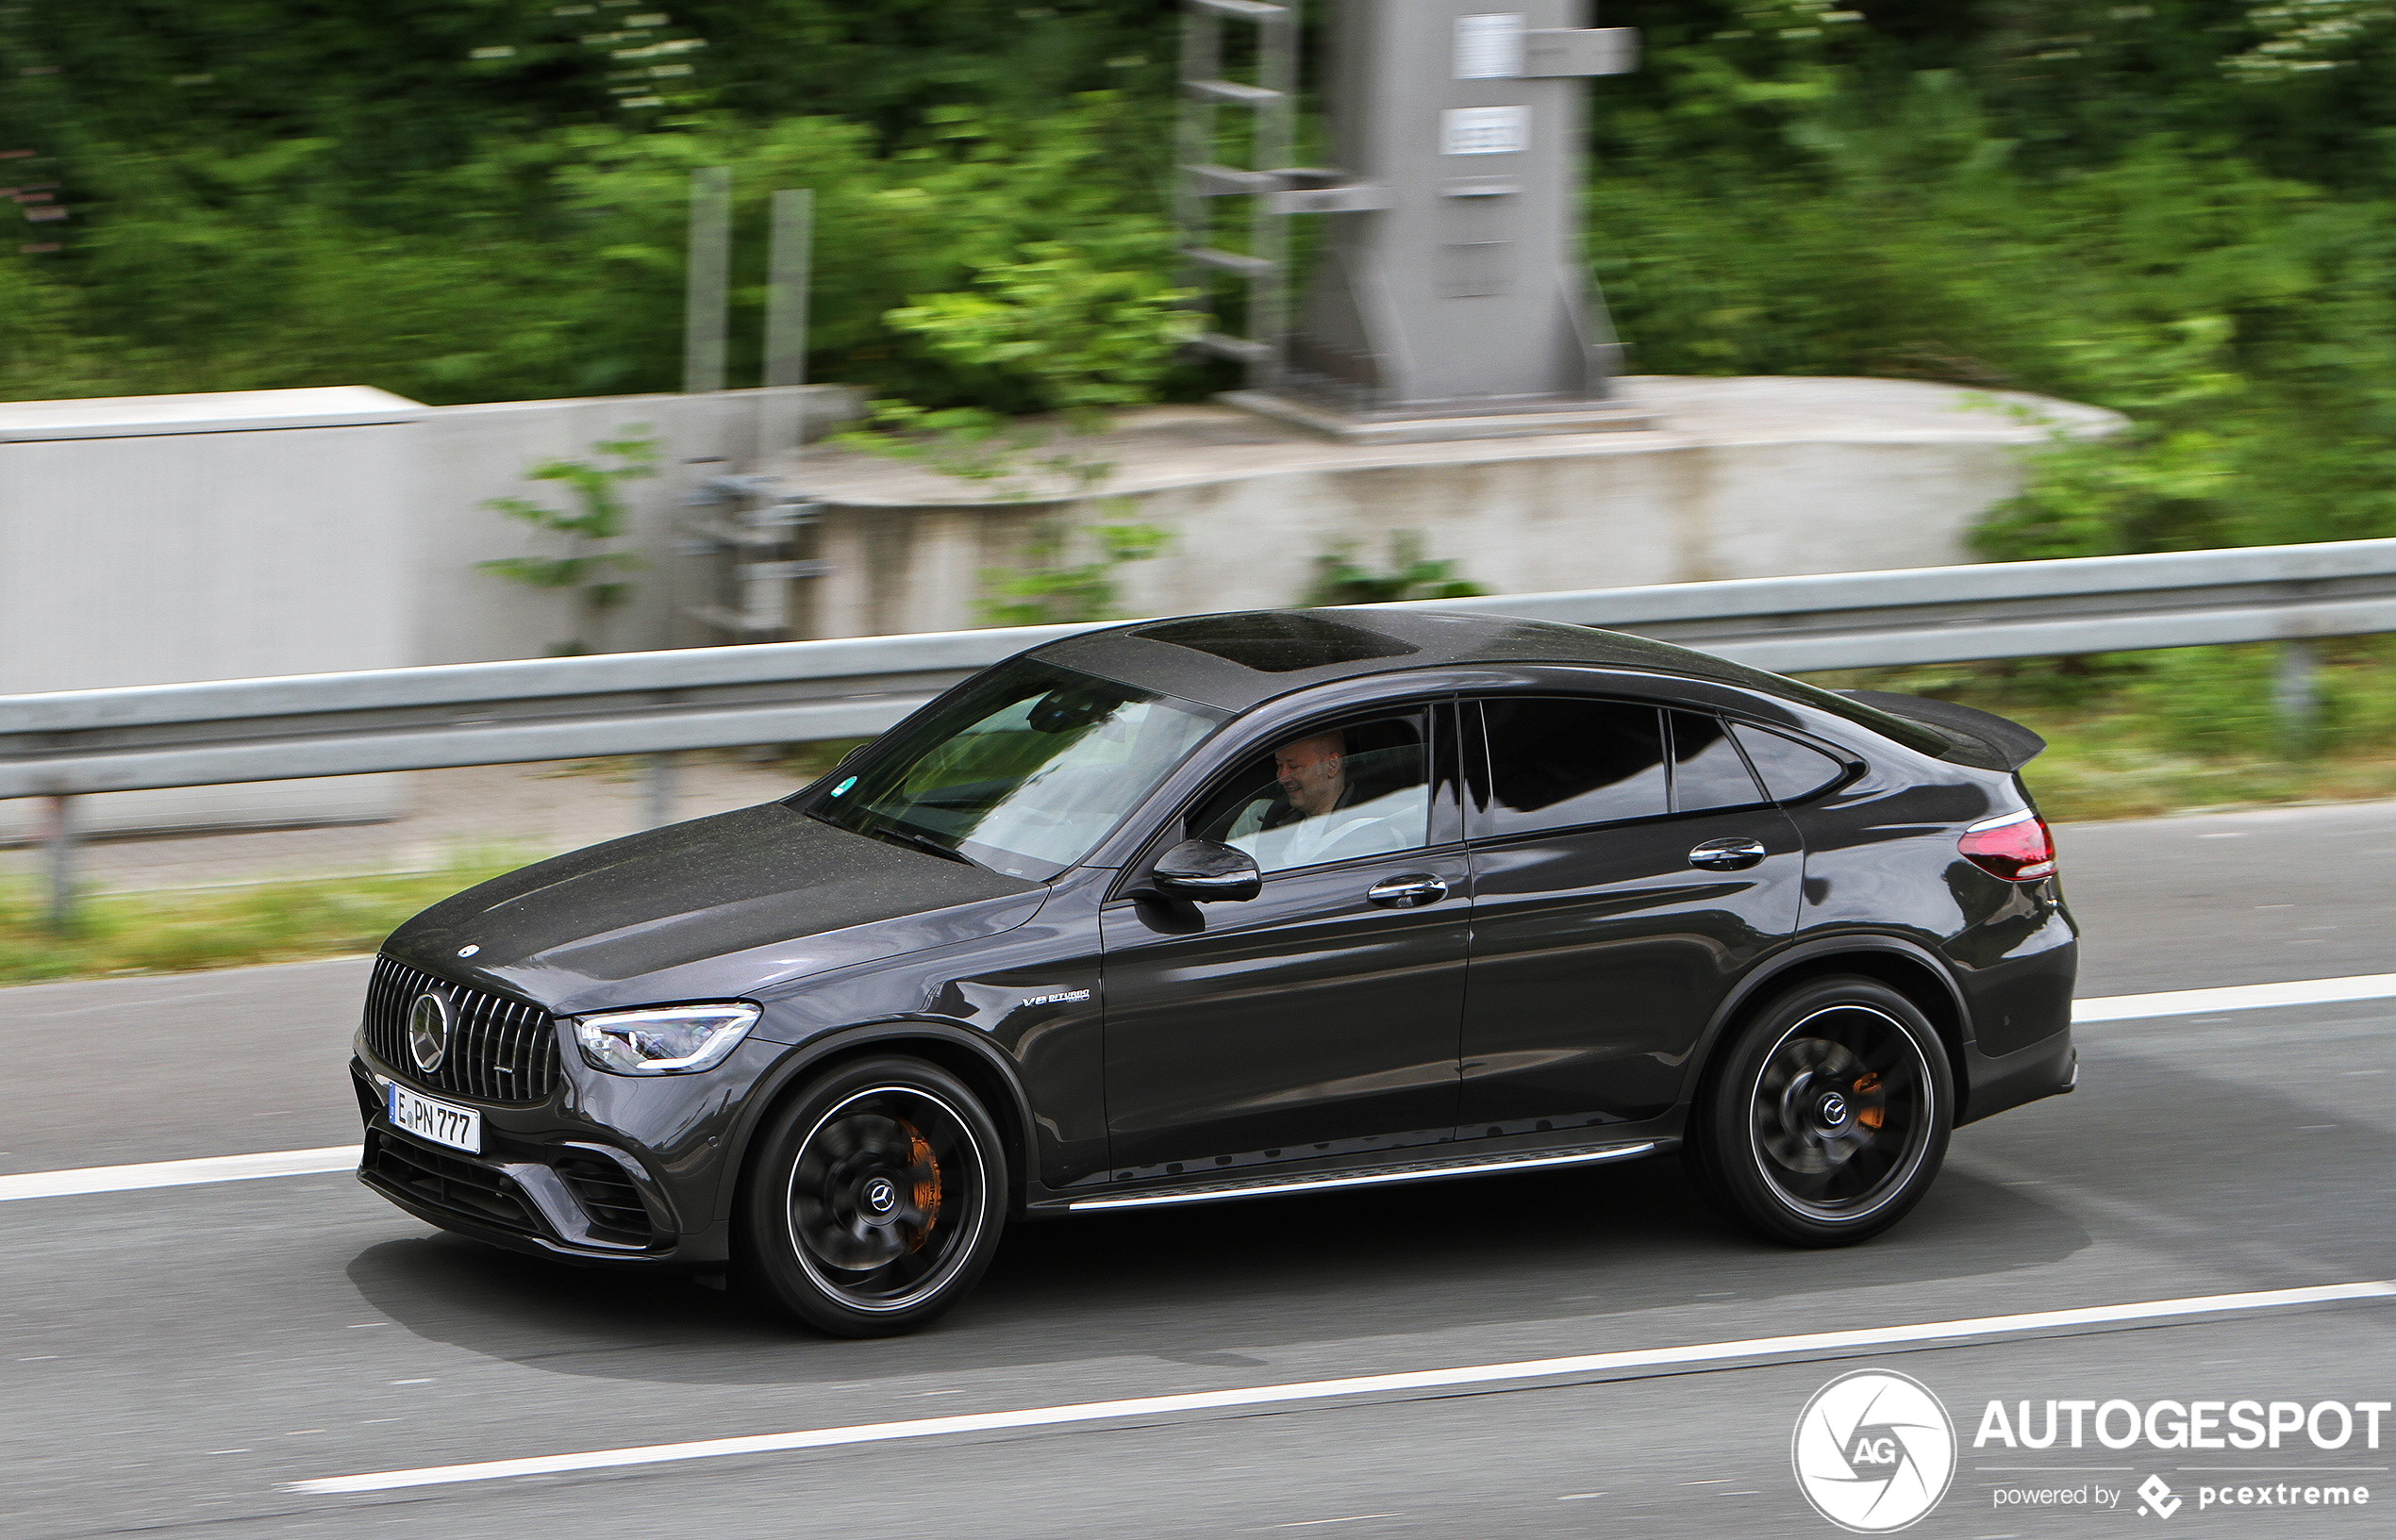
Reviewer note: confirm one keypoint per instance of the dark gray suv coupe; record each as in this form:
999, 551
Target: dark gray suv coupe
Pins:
1231, 906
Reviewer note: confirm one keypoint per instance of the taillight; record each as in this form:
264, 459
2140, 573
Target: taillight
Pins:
2016, 847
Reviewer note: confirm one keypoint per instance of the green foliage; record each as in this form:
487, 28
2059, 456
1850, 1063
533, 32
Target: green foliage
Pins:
584, 566
1014, 458
1062, 333
2183, 209
2243, 319
551, 262
1411, 575
1054, 590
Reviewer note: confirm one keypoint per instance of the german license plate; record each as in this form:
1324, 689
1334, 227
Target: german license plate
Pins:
460, 1128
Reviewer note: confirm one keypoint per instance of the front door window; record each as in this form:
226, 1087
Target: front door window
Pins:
1335, 793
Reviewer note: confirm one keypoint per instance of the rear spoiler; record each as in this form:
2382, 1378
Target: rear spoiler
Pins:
1980, 738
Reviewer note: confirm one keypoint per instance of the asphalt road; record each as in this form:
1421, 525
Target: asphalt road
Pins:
174, 1356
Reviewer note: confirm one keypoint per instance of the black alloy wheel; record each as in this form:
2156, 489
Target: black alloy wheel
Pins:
875, 1199
1830, 1116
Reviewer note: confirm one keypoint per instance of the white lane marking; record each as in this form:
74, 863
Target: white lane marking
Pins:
1369, 1384
1352, 1518
183, 1173
2242, 997
178, 1173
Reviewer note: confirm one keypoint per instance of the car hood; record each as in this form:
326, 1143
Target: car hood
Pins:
718, 907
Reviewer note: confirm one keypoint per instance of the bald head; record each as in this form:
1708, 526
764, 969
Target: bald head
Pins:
1312, 771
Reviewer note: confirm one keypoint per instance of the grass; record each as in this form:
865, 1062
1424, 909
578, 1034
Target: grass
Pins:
2130, 735
225, 927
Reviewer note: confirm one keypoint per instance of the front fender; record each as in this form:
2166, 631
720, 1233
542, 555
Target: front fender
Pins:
1013, 1110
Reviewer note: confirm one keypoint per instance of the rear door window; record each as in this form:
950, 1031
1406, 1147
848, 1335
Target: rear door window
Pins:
1708, 771
1791, 771
1558, 763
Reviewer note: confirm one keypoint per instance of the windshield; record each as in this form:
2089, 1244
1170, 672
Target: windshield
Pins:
1025, 771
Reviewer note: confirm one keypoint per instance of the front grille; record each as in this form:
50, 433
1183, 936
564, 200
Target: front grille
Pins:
443, 1181
608, 1197
500, 1049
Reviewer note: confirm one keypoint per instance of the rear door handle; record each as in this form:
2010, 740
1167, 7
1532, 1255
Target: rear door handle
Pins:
1727, 854
1411, 891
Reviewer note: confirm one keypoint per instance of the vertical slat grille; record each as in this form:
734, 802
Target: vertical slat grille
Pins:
500, 1049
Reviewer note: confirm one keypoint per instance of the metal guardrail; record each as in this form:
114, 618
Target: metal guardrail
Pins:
78, 743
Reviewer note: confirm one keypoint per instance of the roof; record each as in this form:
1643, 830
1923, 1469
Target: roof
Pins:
1240, 659
1236, 660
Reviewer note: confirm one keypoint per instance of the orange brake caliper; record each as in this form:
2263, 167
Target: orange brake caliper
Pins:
1868, 1114
927, 1184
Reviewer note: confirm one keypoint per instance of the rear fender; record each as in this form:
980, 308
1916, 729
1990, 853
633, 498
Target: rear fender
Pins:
1808, 959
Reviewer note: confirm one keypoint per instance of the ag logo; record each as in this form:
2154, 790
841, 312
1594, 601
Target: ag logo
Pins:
1873, 1451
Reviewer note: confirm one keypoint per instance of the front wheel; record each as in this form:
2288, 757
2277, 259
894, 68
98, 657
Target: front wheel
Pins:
1830, 1116
876, 1198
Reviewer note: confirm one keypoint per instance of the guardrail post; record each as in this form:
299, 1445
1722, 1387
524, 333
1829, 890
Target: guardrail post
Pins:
657, 794
2296, 697
62, 843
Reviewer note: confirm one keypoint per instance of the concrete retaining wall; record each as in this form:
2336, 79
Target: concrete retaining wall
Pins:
1744, 478
148, 540
469, 454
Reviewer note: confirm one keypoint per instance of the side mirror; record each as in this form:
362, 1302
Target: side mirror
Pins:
1206, 873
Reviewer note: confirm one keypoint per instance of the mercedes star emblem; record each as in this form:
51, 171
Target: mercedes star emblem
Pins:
428, 1030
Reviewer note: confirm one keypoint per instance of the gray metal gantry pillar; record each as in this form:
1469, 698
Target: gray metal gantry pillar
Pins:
1450, 298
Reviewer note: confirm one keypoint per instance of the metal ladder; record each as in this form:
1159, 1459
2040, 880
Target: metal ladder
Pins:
1272, 98
754, 525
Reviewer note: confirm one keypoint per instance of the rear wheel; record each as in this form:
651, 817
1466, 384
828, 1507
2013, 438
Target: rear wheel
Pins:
1830, 1116
876, 1200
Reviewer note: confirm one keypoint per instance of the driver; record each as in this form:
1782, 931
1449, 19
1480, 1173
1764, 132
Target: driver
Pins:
1303, 826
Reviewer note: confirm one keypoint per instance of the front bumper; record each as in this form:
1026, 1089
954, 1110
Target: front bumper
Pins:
541, 1185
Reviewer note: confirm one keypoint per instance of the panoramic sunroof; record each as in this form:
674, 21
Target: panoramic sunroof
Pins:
1277, 643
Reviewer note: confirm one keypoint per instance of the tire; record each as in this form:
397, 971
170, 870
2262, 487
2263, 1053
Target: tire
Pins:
875, 1199
1829, 1117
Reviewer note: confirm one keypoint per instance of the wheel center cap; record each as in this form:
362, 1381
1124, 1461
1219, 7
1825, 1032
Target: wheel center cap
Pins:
1832, 1110
881, 1195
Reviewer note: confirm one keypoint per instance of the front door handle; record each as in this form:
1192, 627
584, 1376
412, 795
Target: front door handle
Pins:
1411, 891
1727, 854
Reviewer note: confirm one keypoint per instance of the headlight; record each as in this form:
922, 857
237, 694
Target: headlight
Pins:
668, 1041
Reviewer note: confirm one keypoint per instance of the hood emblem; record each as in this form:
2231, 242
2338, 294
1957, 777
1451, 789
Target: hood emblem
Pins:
428, 1030
468, 950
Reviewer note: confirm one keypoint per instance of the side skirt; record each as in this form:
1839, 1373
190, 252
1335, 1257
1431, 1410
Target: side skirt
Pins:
1422, 1170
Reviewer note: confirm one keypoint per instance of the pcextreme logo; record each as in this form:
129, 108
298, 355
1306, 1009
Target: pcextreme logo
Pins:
1873, 1451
